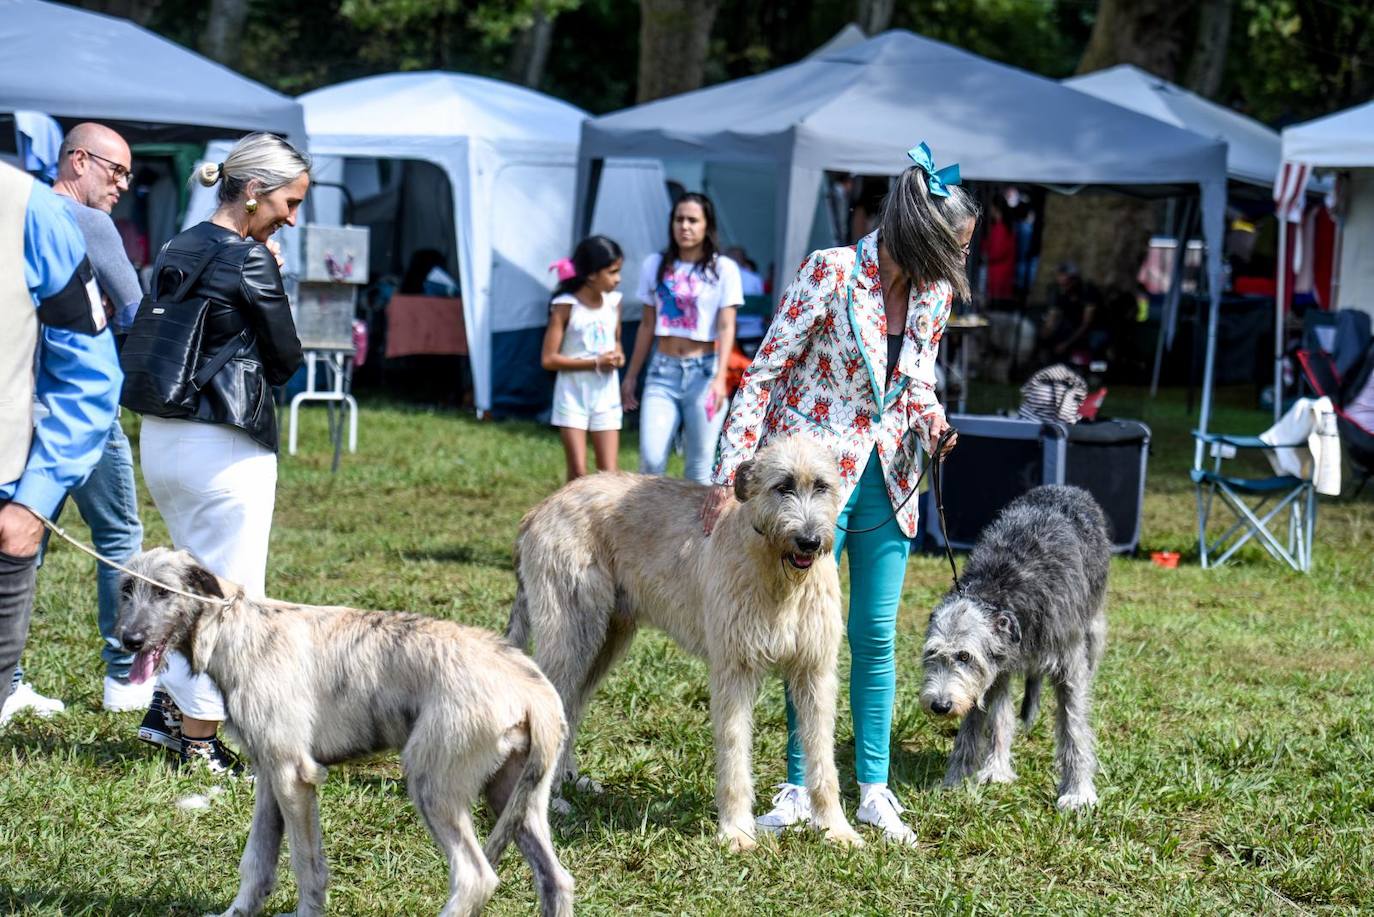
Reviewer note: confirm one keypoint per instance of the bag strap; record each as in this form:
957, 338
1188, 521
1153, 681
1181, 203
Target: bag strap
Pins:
196, 271
222, 356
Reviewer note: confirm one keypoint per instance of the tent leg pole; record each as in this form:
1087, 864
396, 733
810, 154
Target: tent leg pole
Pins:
1280, 308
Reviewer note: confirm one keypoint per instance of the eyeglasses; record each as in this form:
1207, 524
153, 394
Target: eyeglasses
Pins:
120, 174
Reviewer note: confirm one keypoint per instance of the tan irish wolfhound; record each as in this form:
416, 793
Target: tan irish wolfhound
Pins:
307, 686
611, 551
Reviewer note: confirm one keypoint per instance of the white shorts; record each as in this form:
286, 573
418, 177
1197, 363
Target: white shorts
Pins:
593, 423
587, 400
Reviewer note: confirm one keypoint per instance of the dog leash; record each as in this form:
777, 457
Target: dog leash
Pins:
61, 533
936, 485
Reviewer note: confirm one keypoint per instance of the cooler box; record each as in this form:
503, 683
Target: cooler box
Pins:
998, 459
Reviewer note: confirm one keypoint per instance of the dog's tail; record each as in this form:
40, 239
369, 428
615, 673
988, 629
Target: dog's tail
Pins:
518, 627
1030, 702
547, 730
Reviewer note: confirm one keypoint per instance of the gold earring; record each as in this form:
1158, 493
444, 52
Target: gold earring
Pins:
251, 205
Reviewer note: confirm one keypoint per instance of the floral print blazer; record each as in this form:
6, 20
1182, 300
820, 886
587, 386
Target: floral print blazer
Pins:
821, 368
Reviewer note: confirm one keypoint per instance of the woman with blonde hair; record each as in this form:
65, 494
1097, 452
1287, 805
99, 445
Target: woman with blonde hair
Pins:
212, 471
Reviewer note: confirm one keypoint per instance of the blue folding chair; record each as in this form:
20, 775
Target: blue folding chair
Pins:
1259, 505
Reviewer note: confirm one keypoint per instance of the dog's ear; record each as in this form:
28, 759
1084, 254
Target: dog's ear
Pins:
742, 480
1007, 625
202, 582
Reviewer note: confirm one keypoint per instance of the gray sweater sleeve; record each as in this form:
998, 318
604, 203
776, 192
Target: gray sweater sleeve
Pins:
114, 272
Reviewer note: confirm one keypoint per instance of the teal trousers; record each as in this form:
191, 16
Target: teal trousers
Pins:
877, 568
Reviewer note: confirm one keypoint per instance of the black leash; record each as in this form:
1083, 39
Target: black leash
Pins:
936, 485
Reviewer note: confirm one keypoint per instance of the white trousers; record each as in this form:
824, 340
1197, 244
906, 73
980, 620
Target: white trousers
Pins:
215, 488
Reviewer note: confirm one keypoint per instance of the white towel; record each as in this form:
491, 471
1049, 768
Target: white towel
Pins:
1313, 420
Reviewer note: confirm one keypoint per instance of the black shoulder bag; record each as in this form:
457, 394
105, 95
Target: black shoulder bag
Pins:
162, 350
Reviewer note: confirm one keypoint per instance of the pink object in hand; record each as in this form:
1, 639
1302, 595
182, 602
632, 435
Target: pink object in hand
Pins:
710, 407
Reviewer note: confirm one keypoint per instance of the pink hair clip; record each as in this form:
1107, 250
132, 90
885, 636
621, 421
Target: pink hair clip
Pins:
565, 268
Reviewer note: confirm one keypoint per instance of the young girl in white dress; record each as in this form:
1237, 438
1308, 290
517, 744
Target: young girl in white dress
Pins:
582, 345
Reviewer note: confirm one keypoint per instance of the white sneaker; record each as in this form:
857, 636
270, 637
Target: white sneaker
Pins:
791, 806
24, 697
125, 696
878, 807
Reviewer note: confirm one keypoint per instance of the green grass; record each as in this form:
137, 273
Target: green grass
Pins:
1235, 714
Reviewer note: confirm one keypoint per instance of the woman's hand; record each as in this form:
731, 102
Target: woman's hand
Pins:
627, 393
938, 426
716, 500
617, 358
274, 247
717, 395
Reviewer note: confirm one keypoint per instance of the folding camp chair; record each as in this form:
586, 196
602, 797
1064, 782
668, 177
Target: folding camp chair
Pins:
1256, 503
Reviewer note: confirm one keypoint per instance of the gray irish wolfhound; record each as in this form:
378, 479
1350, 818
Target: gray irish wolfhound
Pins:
609, 552
307, 686
1031, 601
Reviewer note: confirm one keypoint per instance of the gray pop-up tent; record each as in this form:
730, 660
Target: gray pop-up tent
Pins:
76, 65
859, 108
1252, 154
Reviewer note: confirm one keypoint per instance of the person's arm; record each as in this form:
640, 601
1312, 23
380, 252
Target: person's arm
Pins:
550, 358
269, 315
78, 376
786, 340
113, 271
644, 342
731, 298
925, 414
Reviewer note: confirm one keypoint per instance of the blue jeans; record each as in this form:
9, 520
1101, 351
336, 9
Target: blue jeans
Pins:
675, 396
877, 568
109, 505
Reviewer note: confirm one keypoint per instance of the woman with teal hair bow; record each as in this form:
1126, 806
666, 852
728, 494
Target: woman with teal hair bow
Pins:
849, 361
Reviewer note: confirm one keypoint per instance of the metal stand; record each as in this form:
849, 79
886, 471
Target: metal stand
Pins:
337, 364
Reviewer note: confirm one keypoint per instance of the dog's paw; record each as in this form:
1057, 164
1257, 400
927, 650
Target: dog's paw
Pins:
996, 773
736, 839
585, 784
954, 780
1081, 798
843, 835
559, 806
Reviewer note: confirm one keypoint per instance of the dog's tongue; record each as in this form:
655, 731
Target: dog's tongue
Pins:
802, 560
142, 669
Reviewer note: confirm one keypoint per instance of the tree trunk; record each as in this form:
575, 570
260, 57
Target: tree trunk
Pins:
1208, 63
673, 39
530, 55
224, 32
875, 15
1107, 235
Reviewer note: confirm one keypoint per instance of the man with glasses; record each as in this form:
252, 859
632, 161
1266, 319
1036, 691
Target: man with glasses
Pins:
93, 171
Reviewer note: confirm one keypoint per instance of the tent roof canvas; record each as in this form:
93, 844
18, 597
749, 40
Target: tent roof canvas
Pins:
1344, 140
1252, 148
859, 108
73, 64
438, 104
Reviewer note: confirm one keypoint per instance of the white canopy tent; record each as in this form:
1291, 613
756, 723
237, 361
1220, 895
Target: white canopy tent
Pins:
76, 65
859, 108
1252, 148
510, 156
1345, 142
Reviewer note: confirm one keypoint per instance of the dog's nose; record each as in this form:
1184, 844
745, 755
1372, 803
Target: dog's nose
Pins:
809, 545
133, 642
940, 706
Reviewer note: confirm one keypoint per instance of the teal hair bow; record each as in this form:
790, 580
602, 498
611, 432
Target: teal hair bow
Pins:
939, 181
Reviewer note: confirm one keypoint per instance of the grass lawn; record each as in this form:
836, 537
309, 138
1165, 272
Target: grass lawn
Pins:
1235, 715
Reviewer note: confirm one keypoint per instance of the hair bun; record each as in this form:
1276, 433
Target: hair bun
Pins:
209, 173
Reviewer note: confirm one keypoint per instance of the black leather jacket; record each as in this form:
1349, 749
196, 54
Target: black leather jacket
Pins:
245, 287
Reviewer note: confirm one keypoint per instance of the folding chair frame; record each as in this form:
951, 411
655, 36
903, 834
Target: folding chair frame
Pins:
1300, 501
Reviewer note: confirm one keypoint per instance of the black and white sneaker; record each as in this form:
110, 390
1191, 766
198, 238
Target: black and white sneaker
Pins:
214, 758
162, 723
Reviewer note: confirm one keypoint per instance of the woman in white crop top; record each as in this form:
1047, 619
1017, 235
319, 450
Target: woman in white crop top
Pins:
690, 293
582, 345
